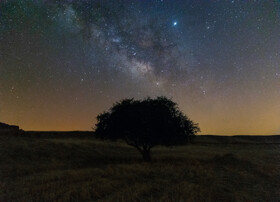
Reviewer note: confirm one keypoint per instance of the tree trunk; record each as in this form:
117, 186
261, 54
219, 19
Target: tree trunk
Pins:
146, 155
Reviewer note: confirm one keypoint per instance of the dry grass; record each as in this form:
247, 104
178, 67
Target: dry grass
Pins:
85, 169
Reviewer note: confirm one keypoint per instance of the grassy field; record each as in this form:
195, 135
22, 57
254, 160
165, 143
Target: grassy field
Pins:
80, 168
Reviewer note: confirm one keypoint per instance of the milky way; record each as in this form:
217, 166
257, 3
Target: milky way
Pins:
63, 62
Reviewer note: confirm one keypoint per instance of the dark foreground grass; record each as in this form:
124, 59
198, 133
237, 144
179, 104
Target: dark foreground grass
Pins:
84, 169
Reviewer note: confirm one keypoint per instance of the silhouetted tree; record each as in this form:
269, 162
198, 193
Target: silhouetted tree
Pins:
146, 123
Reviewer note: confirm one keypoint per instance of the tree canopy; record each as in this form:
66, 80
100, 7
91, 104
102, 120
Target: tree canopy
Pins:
146, 123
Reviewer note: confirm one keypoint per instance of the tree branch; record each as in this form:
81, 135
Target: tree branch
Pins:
133, 144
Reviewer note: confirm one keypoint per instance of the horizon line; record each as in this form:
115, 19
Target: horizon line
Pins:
68, 131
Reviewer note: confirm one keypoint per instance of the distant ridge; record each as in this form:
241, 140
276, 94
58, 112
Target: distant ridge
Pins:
238, 139
199, 139
5, 128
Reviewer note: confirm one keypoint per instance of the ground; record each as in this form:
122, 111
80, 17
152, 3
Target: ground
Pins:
80, 168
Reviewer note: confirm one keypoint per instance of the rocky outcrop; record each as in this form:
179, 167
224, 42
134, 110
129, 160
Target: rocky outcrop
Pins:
5, 128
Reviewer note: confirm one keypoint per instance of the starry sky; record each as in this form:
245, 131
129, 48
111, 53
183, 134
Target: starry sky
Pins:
63, 62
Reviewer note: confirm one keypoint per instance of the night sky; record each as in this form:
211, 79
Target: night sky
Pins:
64, 62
